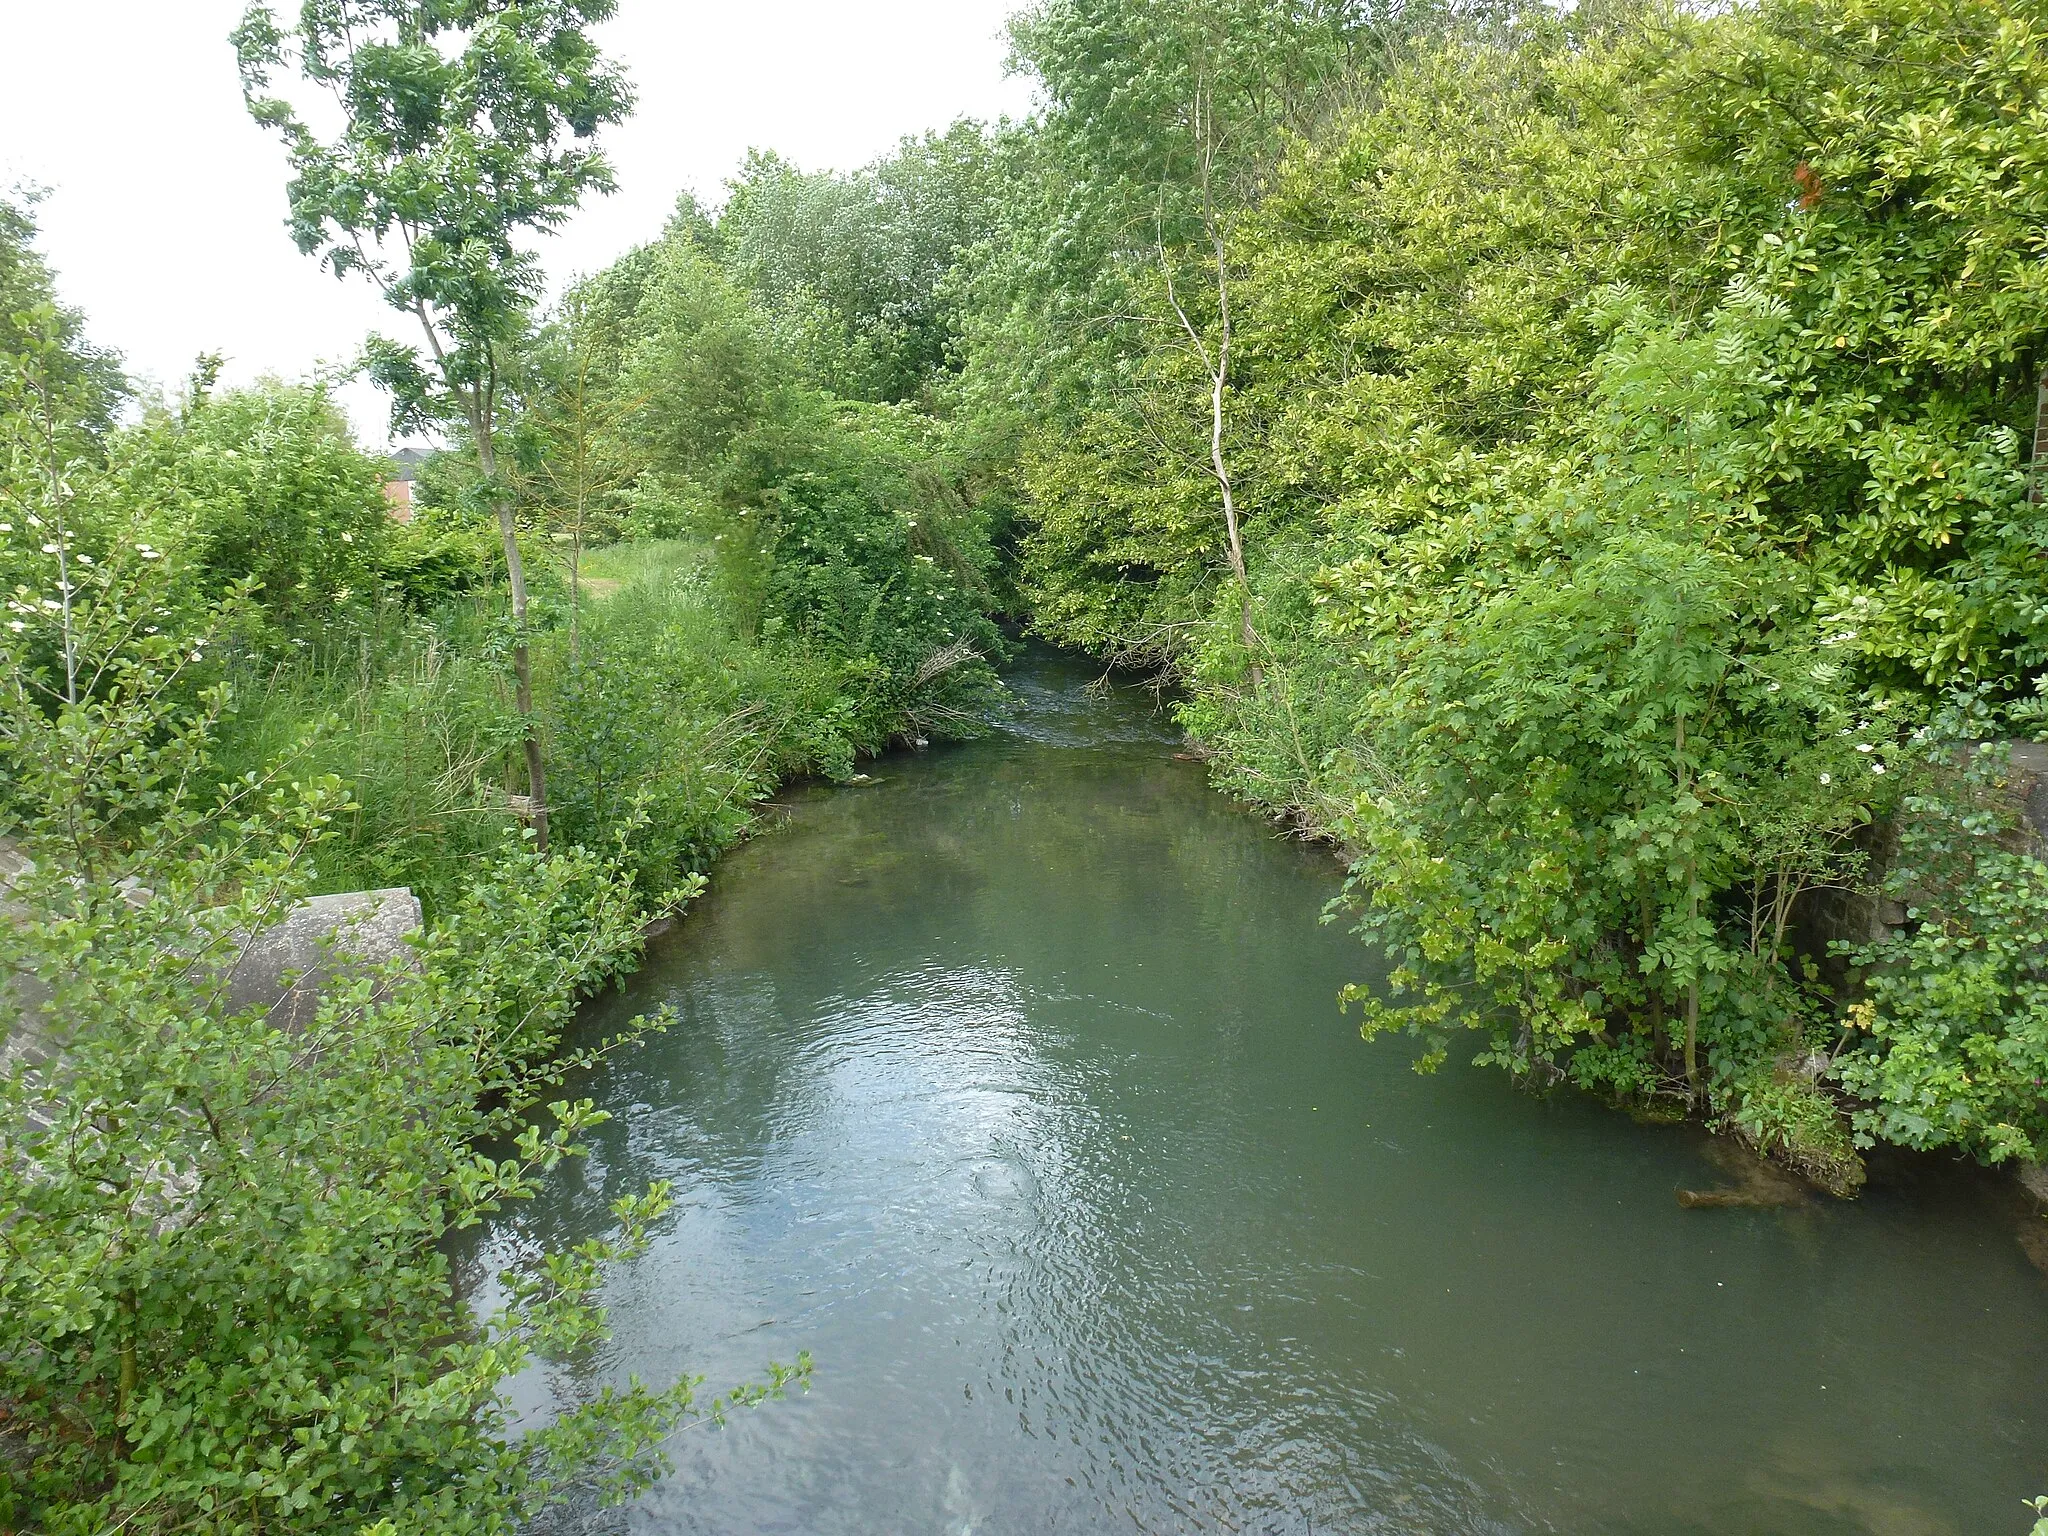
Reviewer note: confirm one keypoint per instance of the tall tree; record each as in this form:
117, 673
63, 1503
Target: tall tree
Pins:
1166, 116
582, 454
465, 124
57, 397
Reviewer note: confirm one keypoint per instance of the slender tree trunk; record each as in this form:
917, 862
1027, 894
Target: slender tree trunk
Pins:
522, 677
576, 582
1219, 378
1216, 366
522, 659
2035, 464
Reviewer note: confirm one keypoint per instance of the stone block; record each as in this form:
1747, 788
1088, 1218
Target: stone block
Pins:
283, 970
286, 967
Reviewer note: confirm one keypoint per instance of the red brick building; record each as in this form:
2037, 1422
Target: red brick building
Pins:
398, 483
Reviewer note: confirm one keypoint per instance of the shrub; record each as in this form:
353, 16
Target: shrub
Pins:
226, 1303
1948, 1047
266, 485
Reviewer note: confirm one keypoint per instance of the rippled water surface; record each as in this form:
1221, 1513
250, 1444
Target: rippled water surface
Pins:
1013, 1087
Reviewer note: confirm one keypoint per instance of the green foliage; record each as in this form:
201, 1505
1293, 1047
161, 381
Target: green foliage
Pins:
662, 717
435, 557
265, 485
856, 268
218, 1310
467, 124
1624, 416
1792, 1119
414, 719
1145, 94
1949, 1043
1591, 799
43, 340
707, 397
849, 533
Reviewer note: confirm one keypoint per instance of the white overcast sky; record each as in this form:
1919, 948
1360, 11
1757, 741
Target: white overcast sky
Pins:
165, 215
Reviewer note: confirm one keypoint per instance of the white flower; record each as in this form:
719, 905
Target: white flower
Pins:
16, 625
50, 549
1877, 767
1827, 778
1864, 746
6, 527
1772, 689
150, 554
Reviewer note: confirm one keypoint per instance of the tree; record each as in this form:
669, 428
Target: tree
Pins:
1173, 108
466, 123
582, 458
1167, 119
858, 266
57, 397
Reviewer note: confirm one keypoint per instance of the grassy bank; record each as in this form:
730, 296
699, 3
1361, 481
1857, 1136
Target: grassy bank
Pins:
662, 724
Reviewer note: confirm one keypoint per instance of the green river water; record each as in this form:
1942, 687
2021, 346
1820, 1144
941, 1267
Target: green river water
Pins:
1013, 1087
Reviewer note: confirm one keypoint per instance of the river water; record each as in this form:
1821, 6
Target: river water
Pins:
1012, 1086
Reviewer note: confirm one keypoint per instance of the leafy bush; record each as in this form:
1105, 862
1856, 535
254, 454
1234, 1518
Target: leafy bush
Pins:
435, 558
1593, 798
1949, 1043
227, 1303
266, 484
660, 715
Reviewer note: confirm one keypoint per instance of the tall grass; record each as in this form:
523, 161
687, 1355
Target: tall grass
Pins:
417, 724
663, 727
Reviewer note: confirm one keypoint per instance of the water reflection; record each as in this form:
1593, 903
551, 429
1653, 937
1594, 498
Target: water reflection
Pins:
1012, 1087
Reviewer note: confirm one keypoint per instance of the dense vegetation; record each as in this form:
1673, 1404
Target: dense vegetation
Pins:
1580, 463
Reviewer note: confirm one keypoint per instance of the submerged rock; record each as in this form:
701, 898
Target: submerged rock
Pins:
1755, 1183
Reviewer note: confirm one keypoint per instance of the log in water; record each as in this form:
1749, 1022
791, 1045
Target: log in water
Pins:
1013, 1087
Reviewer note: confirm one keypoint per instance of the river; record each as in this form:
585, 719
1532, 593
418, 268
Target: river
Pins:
1012, 1086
